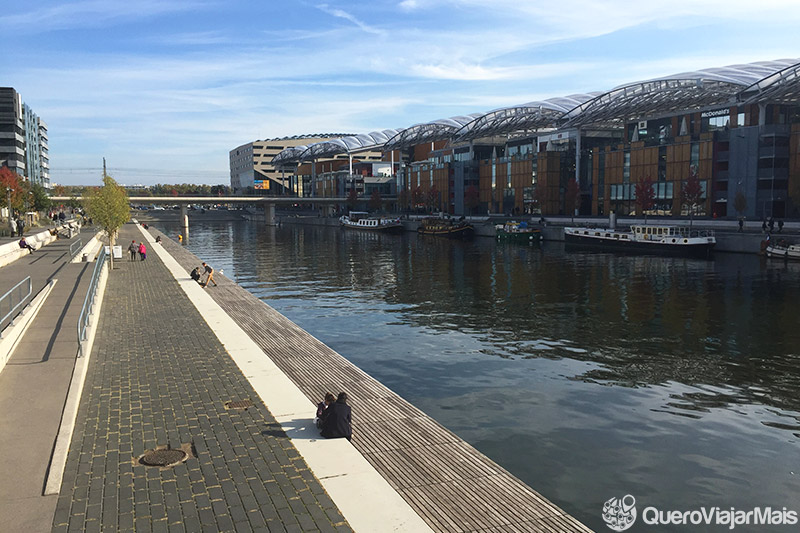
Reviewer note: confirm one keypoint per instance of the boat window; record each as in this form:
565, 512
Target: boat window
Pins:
624, 236
616, 236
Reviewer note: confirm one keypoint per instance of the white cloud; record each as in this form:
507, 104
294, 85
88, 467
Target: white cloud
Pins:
340, 13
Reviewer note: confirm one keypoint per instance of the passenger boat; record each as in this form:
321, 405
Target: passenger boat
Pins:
661, 240
783, 250
445, 227
519, 232
362, 220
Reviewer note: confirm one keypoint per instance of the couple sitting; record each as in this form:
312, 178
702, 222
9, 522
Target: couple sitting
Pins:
333, 417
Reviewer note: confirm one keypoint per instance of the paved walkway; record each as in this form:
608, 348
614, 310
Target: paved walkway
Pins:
34, 384
158, 376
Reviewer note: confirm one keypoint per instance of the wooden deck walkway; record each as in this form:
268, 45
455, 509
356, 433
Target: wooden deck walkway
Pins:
450, 484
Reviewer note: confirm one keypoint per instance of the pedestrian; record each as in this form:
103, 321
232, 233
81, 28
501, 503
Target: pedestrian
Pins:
209, 275
763, 225
195, 275
741, 225
322, 409
142, 251
20, 226
133, 249
338, 419
24, 244
62, 217
780, 225
13, 227
158, 239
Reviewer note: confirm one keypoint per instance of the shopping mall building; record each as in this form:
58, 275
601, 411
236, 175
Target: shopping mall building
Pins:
736, 128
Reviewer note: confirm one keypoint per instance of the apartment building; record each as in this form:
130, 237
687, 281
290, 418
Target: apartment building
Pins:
23, 139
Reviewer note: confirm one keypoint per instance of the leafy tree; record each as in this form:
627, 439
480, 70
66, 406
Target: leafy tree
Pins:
11, 180
416, 196
645, 196
740, 203
375, 200
41, 202
109, 207
572, 197
472, 199
432, 199
692, 194
352, 199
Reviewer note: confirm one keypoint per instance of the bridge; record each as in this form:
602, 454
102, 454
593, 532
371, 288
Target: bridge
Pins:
268, 202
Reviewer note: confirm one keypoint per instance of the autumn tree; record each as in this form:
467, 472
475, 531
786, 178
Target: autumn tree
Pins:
432, 199
471, 198
572, 197
416, 196
13, 187
352, 199
645, 196
692, 194
375, 200
109, 207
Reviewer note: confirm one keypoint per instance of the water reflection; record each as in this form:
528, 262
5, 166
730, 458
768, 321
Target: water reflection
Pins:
586, 375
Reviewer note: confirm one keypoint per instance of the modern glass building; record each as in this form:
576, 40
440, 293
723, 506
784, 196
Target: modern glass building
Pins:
23, 139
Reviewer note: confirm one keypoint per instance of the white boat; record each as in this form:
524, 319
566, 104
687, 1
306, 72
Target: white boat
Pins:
362, 220
647, 239
783, 250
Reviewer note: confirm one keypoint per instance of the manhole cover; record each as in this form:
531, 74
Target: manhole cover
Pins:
242, 404
162, 458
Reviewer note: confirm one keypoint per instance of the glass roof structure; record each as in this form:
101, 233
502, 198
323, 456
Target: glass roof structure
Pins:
526, 117
348, 145
688, 90
288, 156
782, 87
437, 130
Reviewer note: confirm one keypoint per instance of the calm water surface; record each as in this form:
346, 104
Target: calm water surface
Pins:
586, 375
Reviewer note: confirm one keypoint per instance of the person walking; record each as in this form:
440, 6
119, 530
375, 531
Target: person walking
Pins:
20, 226
142, 251
780, 226
741, 225
133, 249
209, 275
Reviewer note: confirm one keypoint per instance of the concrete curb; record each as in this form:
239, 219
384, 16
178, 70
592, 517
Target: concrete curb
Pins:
17, 329
55, 472
91, 248
363, 496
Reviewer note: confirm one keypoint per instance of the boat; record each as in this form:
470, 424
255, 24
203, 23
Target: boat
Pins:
446, 227
362, 220
783, 250
645, 239
519, 232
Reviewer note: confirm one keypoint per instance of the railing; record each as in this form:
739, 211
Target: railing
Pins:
75, 247
88, 302
15, 293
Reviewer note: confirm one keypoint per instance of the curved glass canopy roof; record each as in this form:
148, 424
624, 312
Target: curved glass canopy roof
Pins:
525, 117
688, 90
437, 130
348, 145
288, 156
782, 87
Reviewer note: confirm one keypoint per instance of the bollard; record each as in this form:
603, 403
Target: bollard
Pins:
85, 258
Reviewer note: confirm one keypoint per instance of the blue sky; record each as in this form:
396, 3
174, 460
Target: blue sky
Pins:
165, 88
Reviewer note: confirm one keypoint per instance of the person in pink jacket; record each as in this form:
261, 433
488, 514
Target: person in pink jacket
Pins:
142, 251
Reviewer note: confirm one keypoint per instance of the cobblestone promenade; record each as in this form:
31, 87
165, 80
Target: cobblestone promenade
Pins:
158, 376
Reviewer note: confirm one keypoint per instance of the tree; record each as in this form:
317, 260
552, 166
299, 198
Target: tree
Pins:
375, 200
403, 198
471, 198
41, 202
432, 199
109, 207
416, 196
572, 197
740, 203
645, 196
11, 180
352, 199
692, 193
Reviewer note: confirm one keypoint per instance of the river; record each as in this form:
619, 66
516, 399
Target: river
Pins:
588, 376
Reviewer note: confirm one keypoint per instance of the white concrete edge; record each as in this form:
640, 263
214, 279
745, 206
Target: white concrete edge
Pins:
364, 497
58, 461
12, 334
91, 248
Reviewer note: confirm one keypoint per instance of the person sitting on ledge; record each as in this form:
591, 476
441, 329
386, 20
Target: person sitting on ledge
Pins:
337, 423
195, 275
322, 409
24, 244
158, 238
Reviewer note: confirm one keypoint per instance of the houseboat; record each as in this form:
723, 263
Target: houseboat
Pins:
783, 250
446, 227
362, 220
645, 239
519, 232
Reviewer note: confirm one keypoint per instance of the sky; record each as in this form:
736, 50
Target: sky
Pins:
164, 89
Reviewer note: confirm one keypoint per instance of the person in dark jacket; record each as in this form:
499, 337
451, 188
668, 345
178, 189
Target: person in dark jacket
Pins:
322, 409
337, 419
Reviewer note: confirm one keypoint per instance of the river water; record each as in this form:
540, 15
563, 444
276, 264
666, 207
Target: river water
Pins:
588, 376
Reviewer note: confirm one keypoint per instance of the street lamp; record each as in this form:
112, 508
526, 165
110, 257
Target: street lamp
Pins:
9, 190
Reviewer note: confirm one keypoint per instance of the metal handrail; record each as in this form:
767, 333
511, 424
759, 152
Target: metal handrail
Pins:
88, 301
10, 296
77, 248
